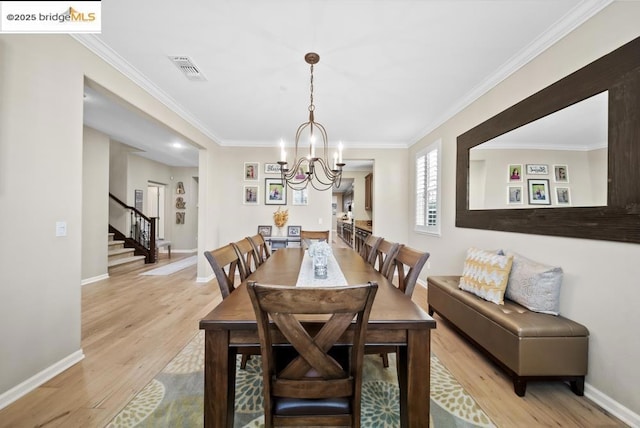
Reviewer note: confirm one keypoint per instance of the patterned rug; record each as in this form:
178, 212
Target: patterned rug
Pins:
175, 397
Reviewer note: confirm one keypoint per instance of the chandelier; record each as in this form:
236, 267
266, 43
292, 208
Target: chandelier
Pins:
309, 167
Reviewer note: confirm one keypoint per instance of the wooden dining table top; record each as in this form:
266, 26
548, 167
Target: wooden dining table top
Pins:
391, 308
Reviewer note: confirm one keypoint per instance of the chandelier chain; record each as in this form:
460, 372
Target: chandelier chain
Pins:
311, 106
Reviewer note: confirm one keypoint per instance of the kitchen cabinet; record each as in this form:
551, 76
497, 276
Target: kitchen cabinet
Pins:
368, 192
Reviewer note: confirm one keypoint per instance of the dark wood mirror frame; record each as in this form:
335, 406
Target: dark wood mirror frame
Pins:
617, 72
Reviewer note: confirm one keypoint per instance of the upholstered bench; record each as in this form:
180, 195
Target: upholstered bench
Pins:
528, 345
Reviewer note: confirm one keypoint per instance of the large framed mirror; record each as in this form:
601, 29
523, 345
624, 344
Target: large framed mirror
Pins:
593, 193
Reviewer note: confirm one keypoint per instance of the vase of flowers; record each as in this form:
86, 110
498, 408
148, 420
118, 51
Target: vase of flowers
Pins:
280, 218
319, 253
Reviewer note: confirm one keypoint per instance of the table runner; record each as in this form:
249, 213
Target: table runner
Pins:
334, 273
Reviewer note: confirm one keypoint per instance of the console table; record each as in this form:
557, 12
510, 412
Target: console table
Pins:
276, 242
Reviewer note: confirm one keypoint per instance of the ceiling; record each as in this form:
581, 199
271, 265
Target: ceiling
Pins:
390, 71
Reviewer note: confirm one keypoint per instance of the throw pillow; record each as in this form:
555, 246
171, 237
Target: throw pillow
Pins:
534, 285
485, 274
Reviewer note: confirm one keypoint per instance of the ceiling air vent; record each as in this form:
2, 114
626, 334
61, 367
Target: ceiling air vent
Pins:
187, 67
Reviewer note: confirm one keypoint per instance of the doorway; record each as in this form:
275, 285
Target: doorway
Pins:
156, 206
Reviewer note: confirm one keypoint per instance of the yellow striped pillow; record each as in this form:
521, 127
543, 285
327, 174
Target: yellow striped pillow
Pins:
486, 274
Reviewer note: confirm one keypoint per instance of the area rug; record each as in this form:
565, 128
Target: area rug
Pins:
175, 397
173, 267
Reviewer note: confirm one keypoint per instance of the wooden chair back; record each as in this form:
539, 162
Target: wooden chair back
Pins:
384, 257
247, 256
369, 248
313, 388
408, 264
308, 236
260, 247
225, 263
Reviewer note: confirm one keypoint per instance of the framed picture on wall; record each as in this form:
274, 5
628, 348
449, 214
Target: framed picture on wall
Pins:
250, 195
539, 192
514, 195
251, 171
138, 198
275, 192
562, 196
300, 197
515, 172
272, 168
537, 169
560, 174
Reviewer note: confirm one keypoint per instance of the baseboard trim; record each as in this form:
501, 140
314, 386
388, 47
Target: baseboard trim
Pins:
616, 409
184, 251
205, 278
94, 279
38, 379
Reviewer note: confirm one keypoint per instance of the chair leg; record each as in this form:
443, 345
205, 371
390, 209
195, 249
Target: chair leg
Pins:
385, 359
243, 362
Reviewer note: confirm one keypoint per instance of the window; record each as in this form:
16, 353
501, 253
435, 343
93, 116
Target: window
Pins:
428, 189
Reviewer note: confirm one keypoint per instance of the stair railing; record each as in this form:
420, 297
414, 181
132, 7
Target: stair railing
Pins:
142, 230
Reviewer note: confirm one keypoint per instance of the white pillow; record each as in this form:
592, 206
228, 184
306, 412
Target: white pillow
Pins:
534, 285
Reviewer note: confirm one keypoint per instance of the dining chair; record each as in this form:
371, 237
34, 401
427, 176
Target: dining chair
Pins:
308, 236
408, 264
260, 248
247, 255
227, 258
384, 256
311, 387
369, 248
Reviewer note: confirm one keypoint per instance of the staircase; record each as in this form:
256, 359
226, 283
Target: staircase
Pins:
122, 259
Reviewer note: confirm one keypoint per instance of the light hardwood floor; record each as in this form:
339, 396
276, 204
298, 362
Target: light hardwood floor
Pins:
132, 326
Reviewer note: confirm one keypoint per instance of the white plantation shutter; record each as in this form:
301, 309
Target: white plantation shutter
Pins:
428, 189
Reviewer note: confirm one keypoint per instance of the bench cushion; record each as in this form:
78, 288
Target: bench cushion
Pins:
513, 317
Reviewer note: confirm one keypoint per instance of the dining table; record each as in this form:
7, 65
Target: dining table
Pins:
394, 320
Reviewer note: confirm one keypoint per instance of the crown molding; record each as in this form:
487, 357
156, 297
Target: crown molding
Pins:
573, 19
98, 47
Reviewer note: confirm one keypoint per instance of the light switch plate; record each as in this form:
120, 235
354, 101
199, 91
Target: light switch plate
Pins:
61, 228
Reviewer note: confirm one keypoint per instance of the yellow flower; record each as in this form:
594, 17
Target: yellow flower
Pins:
280, 217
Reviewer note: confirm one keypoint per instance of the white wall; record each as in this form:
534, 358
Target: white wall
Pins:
95, 203
600, 278
41, 175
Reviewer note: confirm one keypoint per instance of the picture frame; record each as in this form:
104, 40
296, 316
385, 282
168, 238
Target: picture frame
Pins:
514, 195
563, 196
539, 191
300, 197
251, 171
265, 231
301, 174
251, 194
537, 169
272, 168
293, 230
138, 199
515, 172
275, 192
560, 173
